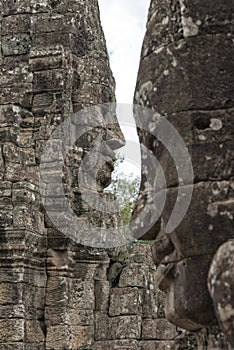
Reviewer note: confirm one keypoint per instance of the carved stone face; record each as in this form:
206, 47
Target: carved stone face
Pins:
187, 77
184, 256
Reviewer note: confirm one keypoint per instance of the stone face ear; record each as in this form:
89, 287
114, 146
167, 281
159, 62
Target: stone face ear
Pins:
221, 287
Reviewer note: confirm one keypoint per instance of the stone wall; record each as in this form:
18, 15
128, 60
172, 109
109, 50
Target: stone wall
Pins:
54, 293
53, 62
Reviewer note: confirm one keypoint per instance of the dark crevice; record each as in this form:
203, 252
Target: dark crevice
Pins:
114, 272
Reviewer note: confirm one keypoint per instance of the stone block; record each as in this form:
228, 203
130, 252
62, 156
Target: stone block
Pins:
12, 311
50, 80
14, 154
47, 44
153, 302
82, 294
42, 102
102, 294
16, 172
125, 301
58, 337
12, 346
48, 62
34, 296
159, 345
57, 291
56, 314
141, 253
212, 18
12, 76
34, 346
134, 275
13, 7
122, 327
22, 242
16, 45
10, 293
11, 330
117, 345
33, 332
25, 218
82, 336
171, 22
64, 23
158, 329
16, 24
24, 138
221, 284
21, 94
5, 189
6, 218
81, 317
14, 115
46, 123
174, 65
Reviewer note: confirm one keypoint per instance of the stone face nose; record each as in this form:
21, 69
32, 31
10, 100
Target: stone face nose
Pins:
114, 137
161, 247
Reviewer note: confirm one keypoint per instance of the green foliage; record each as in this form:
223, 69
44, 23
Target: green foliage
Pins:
125, 188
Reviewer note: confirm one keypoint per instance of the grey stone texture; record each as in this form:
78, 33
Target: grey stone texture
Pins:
56, 294
186, 75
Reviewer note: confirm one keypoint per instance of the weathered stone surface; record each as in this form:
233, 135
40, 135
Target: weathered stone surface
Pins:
16, 45
34, 332
186, 75
102, 295
13, 346
55, 293
121, 327
158, 345
117, 344
16, 24
221, 286
125, 301
44, 291
159, 329
134, 275
15, 330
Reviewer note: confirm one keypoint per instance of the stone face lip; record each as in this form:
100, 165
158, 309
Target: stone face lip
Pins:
186, 75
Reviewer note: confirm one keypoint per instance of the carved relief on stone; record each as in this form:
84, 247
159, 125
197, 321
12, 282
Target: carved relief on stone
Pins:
186, 75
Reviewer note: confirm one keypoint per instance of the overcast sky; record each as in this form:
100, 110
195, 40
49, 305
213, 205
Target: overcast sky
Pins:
124, 24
